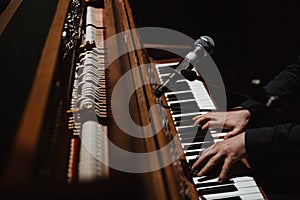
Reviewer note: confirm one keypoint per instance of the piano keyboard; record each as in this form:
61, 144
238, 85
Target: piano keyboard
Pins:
185, 100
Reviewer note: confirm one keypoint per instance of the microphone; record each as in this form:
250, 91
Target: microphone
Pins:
203, 46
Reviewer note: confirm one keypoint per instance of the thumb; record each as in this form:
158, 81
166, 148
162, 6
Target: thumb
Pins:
231, 133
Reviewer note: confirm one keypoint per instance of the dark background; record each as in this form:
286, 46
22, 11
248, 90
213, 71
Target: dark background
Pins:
3, 5
253, 39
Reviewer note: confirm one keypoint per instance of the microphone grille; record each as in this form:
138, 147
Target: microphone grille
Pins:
206, 42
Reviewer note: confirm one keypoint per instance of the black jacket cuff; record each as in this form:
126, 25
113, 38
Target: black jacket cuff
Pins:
259, 142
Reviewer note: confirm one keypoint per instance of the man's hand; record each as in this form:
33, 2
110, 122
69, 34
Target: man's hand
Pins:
229, 151
235, 121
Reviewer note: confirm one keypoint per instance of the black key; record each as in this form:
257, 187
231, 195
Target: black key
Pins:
232, 198
192, 139
199, 133
206, 110
205, 138
186, 110
183, 111
192, 146
189, 117
194, 129
198, 146
178, 86
184, 123
166, 73
217, 190
212, 174
192, 153
191, 162
187, 104
182, 85
167, 69
165, 78
189, 135
180, 96
208, 184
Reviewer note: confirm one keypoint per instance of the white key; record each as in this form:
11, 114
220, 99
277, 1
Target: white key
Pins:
246, 188
194, 150
249, 193
218, 135
189, 114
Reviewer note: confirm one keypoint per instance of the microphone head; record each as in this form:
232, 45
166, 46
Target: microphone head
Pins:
206, 42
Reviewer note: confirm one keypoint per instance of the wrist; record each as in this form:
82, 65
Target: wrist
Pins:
247, 113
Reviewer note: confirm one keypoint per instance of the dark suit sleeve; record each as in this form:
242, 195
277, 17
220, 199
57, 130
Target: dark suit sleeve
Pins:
286, 85
274, 150
281, 140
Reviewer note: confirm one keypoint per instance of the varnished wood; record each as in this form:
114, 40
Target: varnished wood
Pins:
154, 181
8, 13
25, 143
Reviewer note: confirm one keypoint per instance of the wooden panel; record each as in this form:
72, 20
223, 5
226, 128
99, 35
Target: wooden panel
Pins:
26, 141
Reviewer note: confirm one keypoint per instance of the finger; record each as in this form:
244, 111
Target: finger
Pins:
204, 156
197, 122
205, 126
231, 133
214, 116
201, 120
225, 169
213, 161
197, 117
204, 116
212, 124
198, 162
